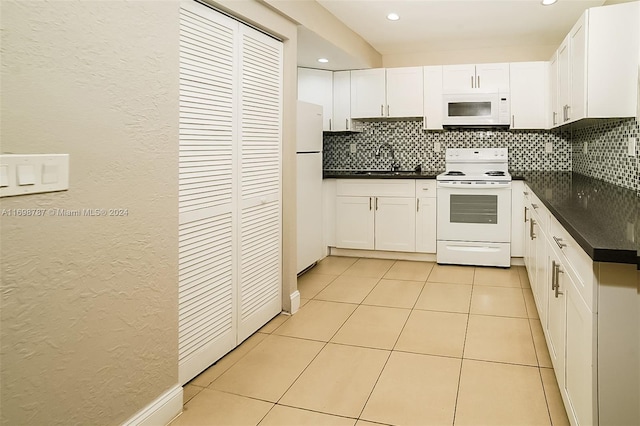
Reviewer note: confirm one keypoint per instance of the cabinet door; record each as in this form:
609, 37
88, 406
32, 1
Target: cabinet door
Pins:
580, 386
433, 97
554, 107
458, 78
395, 223
492, 77
528, 83
564, 84
404, 92
341, 101
426, 225
529, 242
540, 284
316, 87
578, 69
368, 93
354, 222
556, 323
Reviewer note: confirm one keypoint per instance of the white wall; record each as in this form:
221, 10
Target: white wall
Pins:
89, 304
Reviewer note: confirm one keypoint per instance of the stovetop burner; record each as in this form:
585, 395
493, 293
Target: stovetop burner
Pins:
454, 173
495, 173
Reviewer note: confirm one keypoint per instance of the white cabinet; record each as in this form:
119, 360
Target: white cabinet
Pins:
393, 92
432, 97
375, 214
426, 216
597, 64
517, 218
556, 323
316, 87
486, 77
553, 109
529, 92
229, 203
341, 101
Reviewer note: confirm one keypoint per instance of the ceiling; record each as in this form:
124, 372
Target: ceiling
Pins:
437, 25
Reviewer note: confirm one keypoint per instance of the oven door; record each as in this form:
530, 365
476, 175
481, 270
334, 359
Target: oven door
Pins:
474, 212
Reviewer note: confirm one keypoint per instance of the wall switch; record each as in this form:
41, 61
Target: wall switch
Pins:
631, 147
548, 147
436, 147
33, 173
352, 148
585, 147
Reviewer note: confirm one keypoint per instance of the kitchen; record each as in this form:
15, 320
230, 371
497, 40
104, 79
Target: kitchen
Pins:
93, 307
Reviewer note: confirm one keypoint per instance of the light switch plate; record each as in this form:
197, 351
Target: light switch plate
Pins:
352, 148
548, 147
631, 147
34, 173
436, 147
585, 148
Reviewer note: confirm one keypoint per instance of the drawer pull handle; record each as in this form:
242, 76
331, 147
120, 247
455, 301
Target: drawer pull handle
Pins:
376, 203
525, 213
558, 272
559, 242
418, 205
532, 223
525, 193
535, 206
369, 203
554, 265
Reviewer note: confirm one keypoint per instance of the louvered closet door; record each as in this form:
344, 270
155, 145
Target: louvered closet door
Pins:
260, 195
207, 213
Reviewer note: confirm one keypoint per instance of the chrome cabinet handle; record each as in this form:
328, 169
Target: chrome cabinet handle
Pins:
558, 272
369, 203
418, 205
330, 124
382, 110
532, 223
346, 123
535, 206
553, 275
525, 213
568, 108
513, 121
388, 111
478, 85
525, 192
559, 242
472, 82
376, 203
554, 117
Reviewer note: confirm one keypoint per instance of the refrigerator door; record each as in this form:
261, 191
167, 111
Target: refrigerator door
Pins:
309, 128
309, 213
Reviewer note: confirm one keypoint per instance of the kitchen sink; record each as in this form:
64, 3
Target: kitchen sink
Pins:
385, 172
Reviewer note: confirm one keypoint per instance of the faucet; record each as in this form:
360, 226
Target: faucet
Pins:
394, 165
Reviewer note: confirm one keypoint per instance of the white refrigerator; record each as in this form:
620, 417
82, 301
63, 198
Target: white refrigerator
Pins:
309, 184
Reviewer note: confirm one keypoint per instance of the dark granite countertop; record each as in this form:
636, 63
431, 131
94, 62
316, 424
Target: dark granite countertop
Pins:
603, 218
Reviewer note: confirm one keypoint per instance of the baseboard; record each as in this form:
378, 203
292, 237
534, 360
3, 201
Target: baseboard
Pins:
161, 411
295, 302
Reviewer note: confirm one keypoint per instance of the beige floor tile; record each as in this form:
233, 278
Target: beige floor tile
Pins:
366, 423
500, 339
530, 303
452, 274
210, 374
524, 277
212, 407
333, 265
407, 270
372, 326
445, 297
288, 416
500, 277
500, 301
269, 369
554, 399
372, 268
402, 396
500, 394
317, 320
434, 333
189, 391
309, 285
303, 302
544, 360
394, 293
339, 381
276, 322
348, 289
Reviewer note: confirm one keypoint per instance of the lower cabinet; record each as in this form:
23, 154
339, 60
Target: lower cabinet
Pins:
426, 216
354, 222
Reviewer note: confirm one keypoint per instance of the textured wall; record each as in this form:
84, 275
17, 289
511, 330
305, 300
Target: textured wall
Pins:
89, 304
413, 146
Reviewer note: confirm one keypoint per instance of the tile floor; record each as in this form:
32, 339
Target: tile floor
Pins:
389, 342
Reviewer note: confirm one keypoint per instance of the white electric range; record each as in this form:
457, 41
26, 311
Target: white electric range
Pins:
474, 208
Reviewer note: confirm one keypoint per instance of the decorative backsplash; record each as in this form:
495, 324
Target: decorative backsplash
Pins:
607, 156
412, 146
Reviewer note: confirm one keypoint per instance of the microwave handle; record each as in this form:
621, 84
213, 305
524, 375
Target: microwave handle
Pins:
472, 82
478, 85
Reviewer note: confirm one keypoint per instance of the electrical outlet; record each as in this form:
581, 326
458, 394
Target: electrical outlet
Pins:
548, 147
436, 147
585, 147
352, 148
631, 147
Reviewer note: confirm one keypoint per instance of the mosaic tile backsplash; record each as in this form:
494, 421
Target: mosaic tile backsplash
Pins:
412, 146
607, 156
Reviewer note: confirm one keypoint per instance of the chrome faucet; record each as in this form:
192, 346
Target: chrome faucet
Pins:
394, 165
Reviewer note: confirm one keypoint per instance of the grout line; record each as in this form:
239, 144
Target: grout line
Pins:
464, 344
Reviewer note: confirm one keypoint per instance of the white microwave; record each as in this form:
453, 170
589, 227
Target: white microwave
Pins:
476, 109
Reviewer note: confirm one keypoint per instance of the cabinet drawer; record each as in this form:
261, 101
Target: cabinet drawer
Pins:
540, 212
425, 188
579, 262
376, 187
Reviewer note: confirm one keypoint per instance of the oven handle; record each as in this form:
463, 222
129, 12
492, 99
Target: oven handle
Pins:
472, 186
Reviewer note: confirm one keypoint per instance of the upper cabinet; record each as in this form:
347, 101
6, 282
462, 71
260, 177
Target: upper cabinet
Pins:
528, 82
433, 97
316, 87
341, 101
393, 92
597, 65
486, 77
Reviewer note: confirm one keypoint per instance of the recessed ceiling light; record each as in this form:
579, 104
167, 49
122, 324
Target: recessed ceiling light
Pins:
393, 16
548, 2
323, 60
